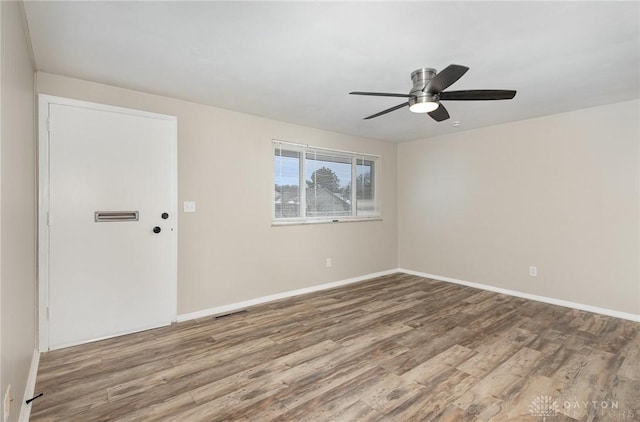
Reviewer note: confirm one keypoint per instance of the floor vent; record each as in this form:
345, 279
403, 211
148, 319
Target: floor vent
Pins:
230, 314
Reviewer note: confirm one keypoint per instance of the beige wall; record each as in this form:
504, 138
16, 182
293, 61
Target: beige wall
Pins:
17, 206
559, 192
228, 251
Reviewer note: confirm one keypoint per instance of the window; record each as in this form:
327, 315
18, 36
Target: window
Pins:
314, 184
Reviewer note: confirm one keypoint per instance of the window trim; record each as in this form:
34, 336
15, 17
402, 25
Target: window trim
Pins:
304, 219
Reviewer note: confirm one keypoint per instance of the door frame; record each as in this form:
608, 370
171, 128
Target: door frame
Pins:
44, 124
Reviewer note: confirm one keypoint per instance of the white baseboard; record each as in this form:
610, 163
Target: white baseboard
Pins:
550, 300
260, 300
257, 301
29, 390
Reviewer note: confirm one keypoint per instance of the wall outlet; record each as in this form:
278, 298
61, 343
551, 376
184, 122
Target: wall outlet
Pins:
6, 405
533, 271
328, 262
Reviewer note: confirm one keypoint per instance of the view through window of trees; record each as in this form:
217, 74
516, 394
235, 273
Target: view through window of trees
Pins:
314, 184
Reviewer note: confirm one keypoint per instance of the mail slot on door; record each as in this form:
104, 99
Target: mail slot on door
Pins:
110, 216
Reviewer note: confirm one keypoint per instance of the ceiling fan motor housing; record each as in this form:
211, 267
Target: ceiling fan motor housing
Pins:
421, 79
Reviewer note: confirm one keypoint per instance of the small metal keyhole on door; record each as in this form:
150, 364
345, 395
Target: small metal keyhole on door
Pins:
164, 216
157, 229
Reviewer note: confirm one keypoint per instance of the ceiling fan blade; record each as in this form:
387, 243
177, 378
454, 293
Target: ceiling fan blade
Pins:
478, 95
382, 94
389, 110
439, 114
445, 78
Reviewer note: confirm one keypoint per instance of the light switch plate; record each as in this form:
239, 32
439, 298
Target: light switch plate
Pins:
189, 206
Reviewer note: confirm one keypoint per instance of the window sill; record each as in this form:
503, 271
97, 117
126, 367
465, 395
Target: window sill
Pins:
275, 223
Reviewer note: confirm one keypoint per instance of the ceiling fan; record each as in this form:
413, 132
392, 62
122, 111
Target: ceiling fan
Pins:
429, 89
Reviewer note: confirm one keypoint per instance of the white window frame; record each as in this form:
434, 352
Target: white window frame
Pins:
303, 218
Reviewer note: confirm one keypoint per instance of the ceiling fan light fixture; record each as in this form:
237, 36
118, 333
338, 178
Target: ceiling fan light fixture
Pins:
426, 107
423, 103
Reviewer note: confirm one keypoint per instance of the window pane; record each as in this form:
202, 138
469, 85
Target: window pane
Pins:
317, 184
287, 183
365, 187
328, 180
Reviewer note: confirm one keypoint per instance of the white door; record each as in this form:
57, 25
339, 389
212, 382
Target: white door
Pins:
111, 226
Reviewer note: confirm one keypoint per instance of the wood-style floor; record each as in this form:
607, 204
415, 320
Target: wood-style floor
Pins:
397, 348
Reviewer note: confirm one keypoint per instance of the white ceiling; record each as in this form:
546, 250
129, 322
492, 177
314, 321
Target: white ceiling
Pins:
297, 61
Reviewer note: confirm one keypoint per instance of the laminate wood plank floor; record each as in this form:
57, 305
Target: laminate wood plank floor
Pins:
395, 348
